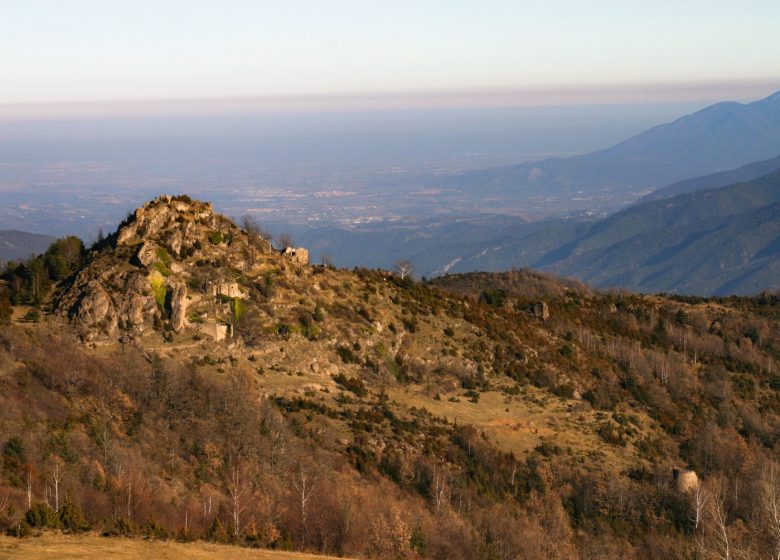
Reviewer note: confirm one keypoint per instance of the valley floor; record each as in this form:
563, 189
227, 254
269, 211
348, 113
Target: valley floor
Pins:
52, 546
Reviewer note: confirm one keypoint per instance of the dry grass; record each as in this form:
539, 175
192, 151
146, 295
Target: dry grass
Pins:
51, 546
521, 423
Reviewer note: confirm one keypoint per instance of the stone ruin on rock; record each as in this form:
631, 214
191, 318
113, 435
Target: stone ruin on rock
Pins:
140, 278
297, 255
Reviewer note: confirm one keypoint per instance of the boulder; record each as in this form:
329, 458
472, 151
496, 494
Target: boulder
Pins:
147, 254
687, 481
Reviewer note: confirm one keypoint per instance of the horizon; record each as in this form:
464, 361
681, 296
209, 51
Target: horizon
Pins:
564, 97
88, 58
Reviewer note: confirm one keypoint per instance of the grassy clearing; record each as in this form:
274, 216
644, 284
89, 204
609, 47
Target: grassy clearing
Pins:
521, 423
51, 546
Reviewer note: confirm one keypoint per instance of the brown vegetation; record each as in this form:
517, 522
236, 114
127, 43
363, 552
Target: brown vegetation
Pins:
362, 414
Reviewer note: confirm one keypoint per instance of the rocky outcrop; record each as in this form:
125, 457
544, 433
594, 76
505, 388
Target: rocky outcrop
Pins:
297, 255
147, 254
687, 481
140, 282
178, 307
540, 310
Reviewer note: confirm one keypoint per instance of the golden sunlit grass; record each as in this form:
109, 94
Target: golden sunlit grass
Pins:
51, 546
521, 423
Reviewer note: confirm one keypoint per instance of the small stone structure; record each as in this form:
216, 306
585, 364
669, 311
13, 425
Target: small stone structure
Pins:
687, 481
540, 310
297, 254
228, 289
217, 331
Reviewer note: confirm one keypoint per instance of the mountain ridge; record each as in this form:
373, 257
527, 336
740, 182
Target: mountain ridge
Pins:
716, 138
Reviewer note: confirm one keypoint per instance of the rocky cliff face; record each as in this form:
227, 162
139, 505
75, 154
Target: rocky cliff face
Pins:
140, 279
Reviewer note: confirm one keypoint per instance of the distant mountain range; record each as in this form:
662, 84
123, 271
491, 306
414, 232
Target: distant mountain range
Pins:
20, 245
724, 178
718, 241
717, 138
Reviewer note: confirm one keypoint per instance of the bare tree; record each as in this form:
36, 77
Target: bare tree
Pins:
699, 501
285, 240
54, 480
439, 486
770, 506
29, 488
404, 268
714, 541
327, 260
236, 491
304, 484
256, 231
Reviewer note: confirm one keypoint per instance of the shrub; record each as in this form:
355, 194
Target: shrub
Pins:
153, 530
72, 518
217, 532
162, 269
495, 298
346, 355
238, 309
42, 516
164, 257
352, 384
159, 288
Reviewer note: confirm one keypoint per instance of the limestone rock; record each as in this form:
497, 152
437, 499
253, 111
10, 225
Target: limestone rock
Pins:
147, 254
178, 307
114, 296
687, 481
540, 310
297, 255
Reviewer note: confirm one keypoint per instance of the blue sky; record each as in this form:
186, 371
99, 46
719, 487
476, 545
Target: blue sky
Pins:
105, 50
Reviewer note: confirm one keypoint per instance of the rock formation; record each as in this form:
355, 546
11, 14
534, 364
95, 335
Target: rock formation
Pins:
140, 279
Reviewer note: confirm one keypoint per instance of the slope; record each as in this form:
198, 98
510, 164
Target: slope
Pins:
719, 137
16, 245
717, 241
357, 413
742, 174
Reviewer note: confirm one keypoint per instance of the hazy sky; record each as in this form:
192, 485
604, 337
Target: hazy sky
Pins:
55, 51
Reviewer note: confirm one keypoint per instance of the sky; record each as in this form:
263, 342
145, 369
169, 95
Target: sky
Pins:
314, 53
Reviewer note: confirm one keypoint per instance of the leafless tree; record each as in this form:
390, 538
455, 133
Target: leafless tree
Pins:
29, 488
236, 491
327, 260
3, 505
54, 480
304, 484
439, 486
285, 240
699, 501
770, 505
404, 268
256, 231
715, 541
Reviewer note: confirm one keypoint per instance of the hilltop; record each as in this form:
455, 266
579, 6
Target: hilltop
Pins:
184, 378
